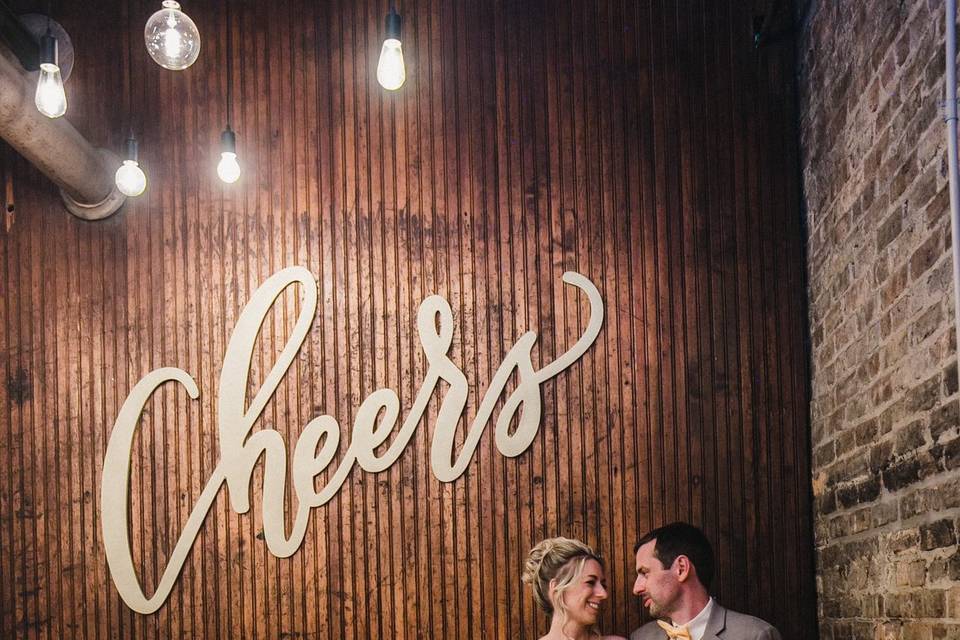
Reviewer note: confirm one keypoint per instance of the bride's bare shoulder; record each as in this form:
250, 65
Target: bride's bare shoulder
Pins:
614, 638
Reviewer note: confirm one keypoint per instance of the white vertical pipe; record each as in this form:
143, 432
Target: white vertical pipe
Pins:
954, 177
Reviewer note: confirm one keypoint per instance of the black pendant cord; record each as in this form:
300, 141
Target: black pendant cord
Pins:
392, 22
48, 33
229, 67
129, 73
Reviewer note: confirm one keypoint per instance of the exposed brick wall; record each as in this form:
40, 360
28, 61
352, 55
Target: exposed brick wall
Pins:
884, 411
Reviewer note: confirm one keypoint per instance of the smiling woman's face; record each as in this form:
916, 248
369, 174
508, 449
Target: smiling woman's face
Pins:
584, 598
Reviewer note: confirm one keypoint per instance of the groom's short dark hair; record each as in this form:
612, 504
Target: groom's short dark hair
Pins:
682, 539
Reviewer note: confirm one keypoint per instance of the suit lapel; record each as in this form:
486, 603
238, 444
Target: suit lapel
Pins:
716, 623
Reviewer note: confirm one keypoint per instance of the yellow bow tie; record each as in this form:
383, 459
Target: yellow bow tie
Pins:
674, 632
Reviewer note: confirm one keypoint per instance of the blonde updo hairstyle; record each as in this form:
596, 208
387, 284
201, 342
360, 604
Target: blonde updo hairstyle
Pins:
559, 560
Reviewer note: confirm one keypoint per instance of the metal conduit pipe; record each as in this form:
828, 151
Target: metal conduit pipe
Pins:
950, 95
83, 172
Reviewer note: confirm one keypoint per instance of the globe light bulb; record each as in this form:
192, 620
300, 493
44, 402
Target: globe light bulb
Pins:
172, 38
390, 69
50, 98
228, 168
130, 179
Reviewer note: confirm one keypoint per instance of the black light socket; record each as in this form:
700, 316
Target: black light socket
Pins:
393, 25
48, 49
132, 149
228, 141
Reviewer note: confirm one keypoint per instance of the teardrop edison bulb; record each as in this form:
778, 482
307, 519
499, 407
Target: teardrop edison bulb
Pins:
172, 38
391, 73
50, 98
390, 68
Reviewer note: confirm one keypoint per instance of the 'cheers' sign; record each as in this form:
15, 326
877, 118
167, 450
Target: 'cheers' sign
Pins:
317, 446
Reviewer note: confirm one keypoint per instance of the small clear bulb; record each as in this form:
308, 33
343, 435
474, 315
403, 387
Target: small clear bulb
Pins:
228, 168
390, 69
130, 179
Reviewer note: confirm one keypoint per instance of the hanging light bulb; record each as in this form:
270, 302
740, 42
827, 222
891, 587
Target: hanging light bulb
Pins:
172, 38
50, 99
130, 179
228, 168
390, 69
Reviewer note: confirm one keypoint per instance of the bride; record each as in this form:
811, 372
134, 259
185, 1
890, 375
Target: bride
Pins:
566, 577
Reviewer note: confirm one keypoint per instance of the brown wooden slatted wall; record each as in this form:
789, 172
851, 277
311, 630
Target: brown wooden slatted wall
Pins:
647, 145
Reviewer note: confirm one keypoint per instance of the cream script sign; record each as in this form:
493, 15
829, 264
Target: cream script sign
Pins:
318, 444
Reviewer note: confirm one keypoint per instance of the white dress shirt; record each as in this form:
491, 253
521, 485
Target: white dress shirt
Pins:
698, 625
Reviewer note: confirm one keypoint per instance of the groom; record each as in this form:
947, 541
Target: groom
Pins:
674, 569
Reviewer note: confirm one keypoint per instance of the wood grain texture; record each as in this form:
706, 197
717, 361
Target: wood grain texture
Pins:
647, 145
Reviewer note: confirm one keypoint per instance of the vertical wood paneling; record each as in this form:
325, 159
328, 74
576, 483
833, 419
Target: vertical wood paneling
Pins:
647, 145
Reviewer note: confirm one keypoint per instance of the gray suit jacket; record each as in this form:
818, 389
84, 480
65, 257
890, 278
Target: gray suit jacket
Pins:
722, 625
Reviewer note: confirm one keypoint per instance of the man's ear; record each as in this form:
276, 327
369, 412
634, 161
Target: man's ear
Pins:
683, 568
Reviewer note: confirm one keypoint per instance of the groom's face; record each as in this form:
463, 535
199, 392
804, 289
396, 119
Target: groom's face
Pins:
656, 585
